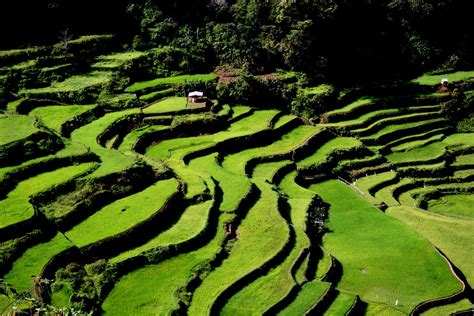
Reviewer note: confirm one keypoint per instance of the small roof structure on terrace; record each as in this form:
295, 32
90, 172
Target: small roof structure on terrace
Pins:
195, 94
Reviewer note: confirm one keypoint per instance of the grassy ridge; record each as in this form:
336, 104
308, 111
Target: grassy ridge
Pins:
452, 235
151, 290
122, 214
33, 260
144, 85
271, 288
192, 221
252, 249
296, 137
15, 127
55, 115
234, 187
382, 258
178, 147
16, 207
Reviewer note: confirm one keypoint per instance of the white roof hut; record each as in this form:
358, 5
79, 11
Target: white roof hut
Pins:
195, 94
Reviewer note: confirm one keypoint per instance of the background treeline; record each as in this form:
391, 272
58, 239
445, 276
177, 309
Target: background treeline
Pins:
327, 39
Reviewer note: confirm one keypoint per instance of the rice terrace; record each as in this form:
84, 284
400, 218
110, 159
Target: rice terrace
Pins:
228, 158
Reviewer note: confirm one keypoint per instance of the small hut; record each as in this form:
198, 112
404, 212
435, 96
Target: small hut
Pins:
196, 96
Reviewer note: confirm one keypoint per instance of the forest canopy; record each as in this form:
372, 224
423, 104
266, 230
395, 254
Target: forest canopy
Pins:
327, 39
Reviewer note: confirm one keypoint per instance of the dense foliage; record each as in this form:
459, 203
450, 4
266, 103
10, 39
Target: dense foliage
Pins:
324, 38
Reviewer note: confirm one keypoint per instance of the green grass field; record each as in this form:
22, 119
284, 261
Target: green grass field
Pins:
261, 193
193, 220
151, 290
76, 83
252, 249
452, 235
122, 214
16, 207
55, 115
33, 260
160, 82
233, 186
436, 79
14, 128
383, 258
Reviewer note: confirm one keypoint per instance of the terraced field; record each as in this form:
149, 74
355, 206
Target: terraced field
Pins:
234, 210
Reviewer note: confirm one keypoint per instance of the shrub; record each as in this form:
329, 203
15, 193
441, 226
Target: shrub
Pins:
260, 91
311, 103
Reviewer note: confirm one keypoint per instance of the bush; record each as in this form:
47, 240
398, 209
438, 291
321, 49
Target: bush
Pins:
260, 91
311, 103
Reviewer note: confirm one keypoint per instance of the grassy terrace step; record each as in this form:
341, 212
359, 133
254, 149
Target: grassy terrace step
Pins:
72, 84
237, 163
122, 214
16, 127
235, 187
321, 154
268, 290
414, 138
410, 196
177, 148
417, 143
437, 169
115, 60
382, 123
418, 155
16, 207
463, 305
452, 235
336, 115
33, 260
370, 185
432, 80
382, 258
161, 82
112, 160
55, 115
190, 224
386, 194
309, 294
131, 138
252, 249
393, 132
367, 119
152, 96
153, 289
70, 149
456, 204
464, 160
341, 304
371, 104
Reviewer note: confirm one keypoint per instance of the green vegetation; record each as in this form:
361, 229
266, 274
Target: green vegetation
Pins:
375, 269
457, 205
436, 79
452, 235
251, 250
15, 127
76, 83
55, 115
160, 82
16, 207
310, 293
193, 220
218, 205
333, 145
33, 260
122, 214
139, 288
